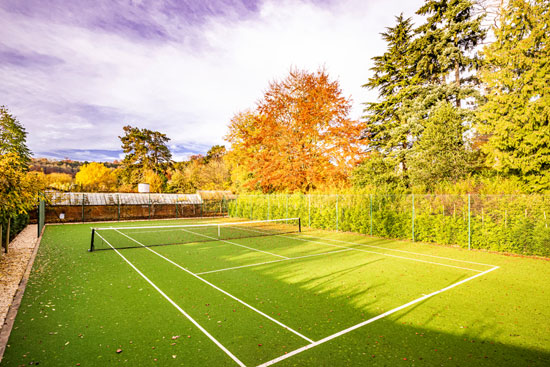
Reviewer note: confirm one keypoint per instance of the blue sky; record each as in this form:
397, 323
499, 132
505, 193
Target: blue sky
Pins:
75, 72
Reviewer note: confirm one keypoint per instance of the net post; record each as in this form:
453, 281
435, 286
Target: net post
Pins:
299, 225
92, 241
219, 227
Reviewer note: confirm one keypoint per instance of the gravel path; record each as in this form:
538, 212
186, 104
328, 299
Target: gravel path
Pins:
13, 266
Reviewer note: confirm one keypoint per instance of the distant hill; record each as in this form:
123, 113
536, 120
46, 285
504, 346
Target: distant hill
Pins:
63, 166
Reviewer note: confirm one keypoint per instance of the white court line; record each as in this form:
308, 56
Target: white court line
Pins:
330, 337
219, 289
273, 261
373, 252
177, 307
390, 249
233, 243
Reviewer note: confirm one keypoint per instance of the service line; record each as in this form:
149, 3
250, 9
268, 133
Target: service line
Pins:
219, 289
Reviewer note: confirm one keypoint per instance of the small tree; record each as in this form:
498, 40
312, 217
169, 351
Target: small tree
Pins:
13, 138
19, 190
145, 149
441, 153
96, 177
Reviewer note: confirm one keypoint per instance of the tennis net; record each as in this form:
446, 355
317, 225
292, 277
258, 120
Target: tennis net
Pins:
108, 238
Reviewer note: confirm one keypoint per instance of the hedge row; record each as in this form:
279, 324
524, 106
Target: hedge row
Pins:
506, 223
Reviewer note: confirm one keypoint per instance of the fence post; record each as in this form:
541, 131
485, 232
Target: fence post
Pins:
370, 202
413, 217
268, 208
1, 240
287, 205
336, 212
469, 226
149, 196
309, 210
118, 202
82, 207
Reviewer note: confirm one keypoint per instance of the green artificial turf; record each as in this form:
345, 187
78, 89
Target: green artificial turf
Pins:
81, 307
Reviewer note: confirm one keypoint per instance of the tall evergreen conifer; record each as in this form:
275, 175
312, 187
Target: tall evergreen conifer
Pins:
516, 117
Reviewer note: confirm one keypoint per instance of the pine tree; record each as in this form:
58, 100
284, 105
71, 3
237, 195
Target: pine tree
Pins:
444, 49
516, 116
418, 72
393, 74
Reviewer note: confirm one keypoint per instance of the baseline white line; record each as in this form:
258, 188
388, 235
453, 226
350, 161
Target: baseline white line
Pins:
373, 252
273, 261
177, 306
404, 251
234, 243
219, 289
328, 338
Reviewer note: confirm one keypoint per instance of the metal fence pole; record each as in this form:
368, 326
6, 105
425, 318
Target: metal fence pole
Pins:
268, 208
413, 217
309, 210
118, 202
83, 207
370, 201
337, 212
469, 225
287, 205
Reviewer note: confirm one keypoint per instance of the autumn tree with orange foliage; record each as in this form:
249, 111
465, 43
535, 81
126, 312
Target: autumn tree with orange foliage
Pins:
298, 138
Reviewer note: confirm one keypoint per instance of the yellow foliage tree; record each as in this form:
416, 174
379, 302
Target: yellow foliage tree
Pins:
153, 179
59, 181
96, 177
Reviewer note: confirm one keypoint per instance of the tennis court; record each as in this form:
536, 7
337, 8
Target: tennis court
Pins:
237, 293
226, 260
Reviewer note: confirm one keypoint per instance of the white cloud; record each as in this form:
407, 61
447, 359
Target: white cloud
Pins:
188, 92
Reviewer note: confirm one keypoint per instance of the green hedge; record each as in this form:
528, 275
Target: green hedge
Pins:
506, 223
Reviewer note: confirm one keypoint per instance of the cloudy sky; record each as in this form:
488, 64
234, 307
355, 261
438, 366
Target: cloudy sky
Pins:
75, 72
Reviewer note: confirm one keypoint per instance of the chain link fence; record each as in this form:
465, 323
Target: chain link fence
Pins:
504, 223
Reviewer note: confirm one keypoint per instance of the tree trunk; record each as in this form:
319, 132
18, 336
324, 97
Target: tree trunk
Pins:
8, 234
